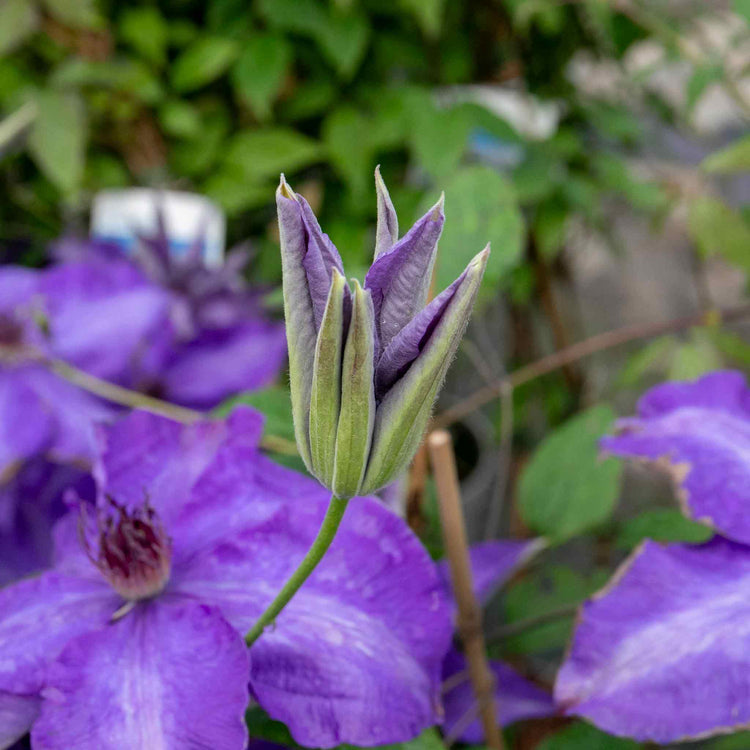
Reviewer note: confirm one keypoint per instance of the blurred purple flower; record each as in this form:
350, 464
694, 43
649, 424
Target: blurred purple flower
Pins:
40, 414
190, 334
661, 653
516, 698
195, 532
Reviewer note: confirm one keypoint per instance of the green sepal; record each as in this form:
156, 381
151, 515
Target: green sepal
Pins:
357, 416
325, 394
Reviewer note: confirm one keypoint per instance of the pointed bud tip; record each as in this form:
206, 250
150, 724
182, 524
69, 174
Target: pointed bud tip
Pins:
284, 189
438, 210
480, 259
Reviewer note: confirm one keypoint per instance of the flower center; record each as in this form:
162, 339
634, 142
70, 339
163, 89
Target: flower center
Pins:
132, 550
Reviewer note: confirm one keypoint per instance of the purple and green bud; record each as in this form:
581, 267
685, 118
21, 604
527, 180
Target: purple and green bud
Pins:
366, 363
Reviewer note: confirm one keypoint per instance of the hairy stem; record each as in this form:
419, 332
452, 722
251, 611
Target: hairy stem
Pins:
323, 540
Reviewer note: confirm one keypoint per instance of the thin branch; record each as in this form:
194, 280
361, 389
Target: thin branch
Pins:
135, 400
469, 612
599, 343
530, 623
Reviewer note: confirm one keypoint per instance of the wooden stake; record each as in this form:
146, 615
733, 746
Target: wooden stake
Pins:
469, 611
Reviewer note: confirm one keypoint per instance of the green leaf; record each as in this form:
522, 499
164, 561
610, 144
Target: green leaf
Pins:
730, 160
147, 32
439, 136
197, 156
480, 207
742, 9
78, 13
343, 40
346, 134
732, 346
262, 154
540, 591
229, 187
341, 34
58, 140
18, 20
738, 741
567, 488
694, 358
129, 76
179, 118
702, 78
259, 72
716, 229
661, 525
207, 58
654, 357
550, 225
580, 735
428, 13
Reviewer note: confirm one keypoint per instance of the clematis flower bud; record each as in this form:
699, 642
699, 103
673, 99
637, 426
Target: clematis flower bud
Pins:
366, 363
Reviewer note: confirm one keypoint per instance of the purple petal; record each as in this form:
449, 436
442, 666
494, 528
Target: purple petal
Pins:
406, 345
399, 279
701, 431
17, 286
386, 233
148, 455
37, 618
320, 669
17, 714
319, 261
26, 428
170, 677
29, 506
219, 364
661, 654
493, 563
516, 699
101, 311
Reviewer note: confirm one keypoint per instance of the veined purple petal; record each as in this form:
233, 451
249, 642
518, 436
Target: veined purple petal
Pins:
662, 654
386, 232
516, 699
406, 345
148, 456
321, 669
164, 676
493, 563
701, 431
219, 364
38, 617
399, 279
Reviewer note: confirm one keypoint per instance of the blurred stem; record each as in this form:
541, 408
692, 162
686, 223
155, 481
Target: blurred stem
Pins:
599, 343
135, 400
323, 541
469, 619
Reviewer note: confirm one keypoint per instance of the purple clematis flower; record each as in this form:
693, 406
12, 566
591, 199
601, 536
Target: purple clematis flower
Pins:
661, 653
190, 334
701, 433
492, 563
194, 533
40, 414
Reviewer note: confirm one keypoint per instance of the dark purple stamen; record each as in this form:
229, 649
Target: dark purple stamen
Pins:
11, 332
131, 549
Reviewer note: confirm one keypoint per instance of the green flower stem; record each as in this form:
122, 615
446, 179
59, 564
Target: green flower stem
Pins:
323, 540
